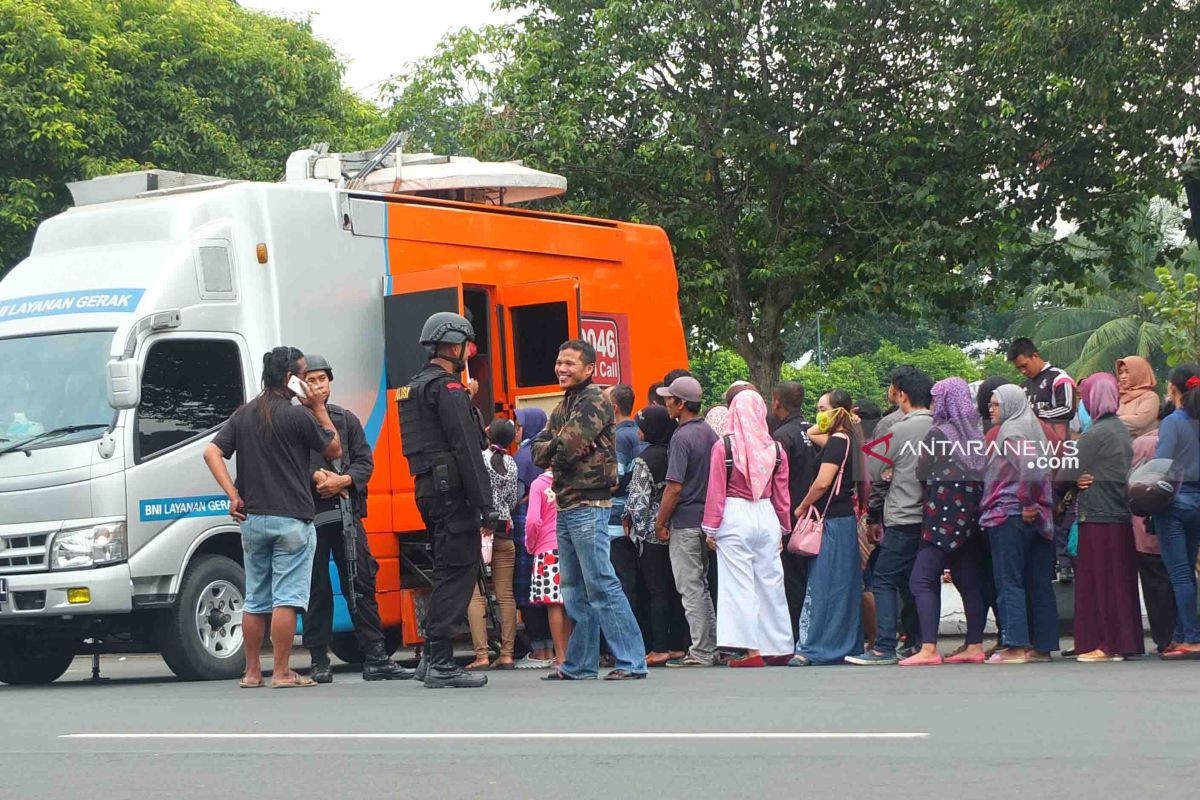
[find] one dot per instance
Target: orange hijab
(1141, 377)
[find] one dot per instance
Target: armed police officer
(340, 495)
(443, 446)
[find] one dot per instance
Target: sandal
(625, 675)
(301, 682)
(1179, 654)
(502, 665)
(963, 657)
(558, 675)
(247, 684)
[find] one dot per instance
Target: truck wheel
(26, 660)
(346, 647)
(201, 637)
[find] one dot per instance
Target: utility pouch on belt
(446, 480)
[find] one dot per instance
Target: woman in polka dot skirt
(541, 540)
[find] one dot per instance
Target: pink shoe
(919, 660)
(966, 658)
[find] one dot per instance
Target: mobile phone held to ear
(299, 387)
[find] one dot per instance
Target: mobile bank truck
(137, 325)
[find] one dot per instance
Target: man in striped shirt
(1053, 398)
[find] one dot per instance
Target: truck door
(410, 298)
(535, 318)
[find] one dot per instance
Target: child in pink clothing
(541, 540)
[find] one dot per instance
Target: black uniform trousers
(456, 564)
(795, 585)
(1159, 596)
(318, 620)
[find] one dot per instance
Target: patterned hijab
(753, 448)
(1101, 394)
(955, 417)
(718, 419)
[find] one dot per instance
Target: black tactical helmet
(317, 363)
(446, 327)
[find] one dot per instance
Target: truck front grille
(23, 552)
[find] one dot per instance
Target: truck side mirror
(124, 385)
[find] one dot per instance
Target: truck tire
(346, 647)
(28, 661)
(200, 638)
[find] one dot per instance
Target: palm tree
(1085, 330)
(1091, 336)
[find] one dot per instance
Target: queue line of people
(600, 529)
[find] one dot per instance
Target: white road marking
(501, 736)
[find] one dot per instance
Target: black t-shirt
(273, 474)
(842, 504)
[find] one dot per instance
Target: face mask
(825, 419)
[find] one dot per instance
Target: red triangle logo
(875, 450)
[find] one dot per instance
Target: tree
(843, 157)
(1176, 306)
(1089, 325)
(91, 87)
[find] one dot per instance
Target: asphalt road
(1061, 730)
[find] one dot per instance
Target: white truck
(130, 333)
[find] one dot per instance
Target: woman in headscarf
(530, 422)
(951, 472)
(1108, 612)
(1139, 404)
(668, 627)
(747, 513)
(718, 419)
(983, 396)
(831, 620)
(1017, 511)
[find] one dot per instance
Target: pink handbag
(806, 536)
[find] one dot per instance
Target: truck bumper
(44, 594)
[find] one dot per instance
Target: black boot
(378, 667)
(322, 671)
(423, 664)
(445, 673)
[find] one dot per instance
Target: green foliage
(997, 365)
(1086, 327)
(91, 87)
(1176, 306)
(842, 157)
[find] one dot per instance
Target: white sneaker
(529, 662)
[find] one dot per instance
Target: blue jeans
(1178, 530)
(889, 582)
(593, 596)
(278, 554)
(1023, 564)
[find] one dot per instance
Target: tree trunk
(764, 371)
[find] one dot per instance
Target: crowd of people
(743, 534)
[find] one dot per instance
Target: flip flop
(964, 658)
(499, 666)
(301, 682)
(245, 684)
(1181, 655)
(557, 675)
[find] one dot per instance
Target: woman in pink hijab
(1108, 612)
(747, 514)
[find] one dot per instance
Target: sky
(375, 38)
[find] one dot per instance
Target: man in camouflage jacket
(578, 446)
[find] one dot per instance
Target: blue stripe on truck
(161, 508)
(89, 301)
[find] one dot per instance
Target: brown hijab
(1141, 377)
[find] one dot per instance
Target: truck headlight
(89, 547)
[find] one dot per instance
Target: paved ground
(1063, 730)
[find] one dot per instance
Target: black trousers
(1159, 596)
(795, 584)
(624, 556)
(668, 627)
(456, 563)
(318, 620)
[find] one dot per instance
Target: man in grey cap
(680, 514)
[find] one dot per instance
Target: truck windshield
(52, 382)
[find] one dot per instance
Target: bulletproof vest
(420, 426)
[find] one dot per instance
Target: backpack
(729, 458)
